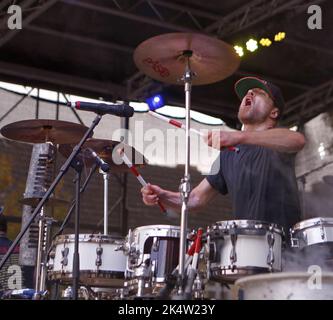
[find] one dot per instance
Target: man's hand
(221, 139)
(150, 194)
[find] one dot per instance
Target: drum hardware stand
(43, 241)
(185, 186)
(51, 189)
(106, 177)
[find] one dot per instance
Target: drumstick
(178, 124)
(138, 175)
(197, 248)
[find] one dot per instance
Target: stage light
(239, 50)
(279, 36)
(155, 102)
(251, 45)
(265, 42)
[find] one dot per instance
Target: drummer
(261, 177)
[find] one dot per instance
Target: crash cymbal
(163, 58)
(53, 202)
(40, 131)
(107, 150)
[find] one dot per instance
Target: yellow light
(239, 50)
(279, 36)
(252, 45)
(265, 42)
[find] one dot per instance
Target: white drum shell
(137, 241)
(312, 231)
(286, 286)
(252, 251)
(251, 247)
(113, 263)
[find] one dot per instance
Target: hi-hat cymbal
(163, 58)
(44, 130)
(50, 202)
(107, 150)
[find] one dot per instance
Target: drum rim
(278, 276)
(157, 226)
(88, 237)
(87, 274)
(244, 224)
(313, 222)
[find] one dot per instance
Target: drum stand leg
(77, 165)
(185, 186)
(44, 226)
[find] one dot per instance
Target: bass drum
(102, 264)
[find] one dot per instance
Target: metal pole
(76, 256)
(39, 249)
(185, 186)
(106, 177)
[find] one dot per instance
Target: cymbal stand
(44, 226)
(185, 186)
(106, 177)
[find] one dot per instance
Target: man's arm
(199, 196)
(279, 139)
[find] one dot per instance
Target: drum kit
(156, 261)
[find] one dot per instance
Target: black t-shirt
(261, 182)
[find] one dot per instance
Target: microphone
(102, 164)
(120, 110)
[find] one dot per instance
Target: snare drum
(153, 251)
(101, 263)
(237, 248)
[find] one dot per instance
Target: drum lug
(233, 254)
(294, 242)
(64, 253)
(271, 241)
(156, 244)
(322, 233)
(99, 252)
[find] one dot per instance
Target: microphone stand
(49, 192)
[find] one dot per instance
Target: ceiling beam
(308, 46)
(128, 15)
(61, 80)
(252, 13)
(309, 104)
(82, 39)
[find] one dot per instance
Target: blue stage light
(155, 102)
